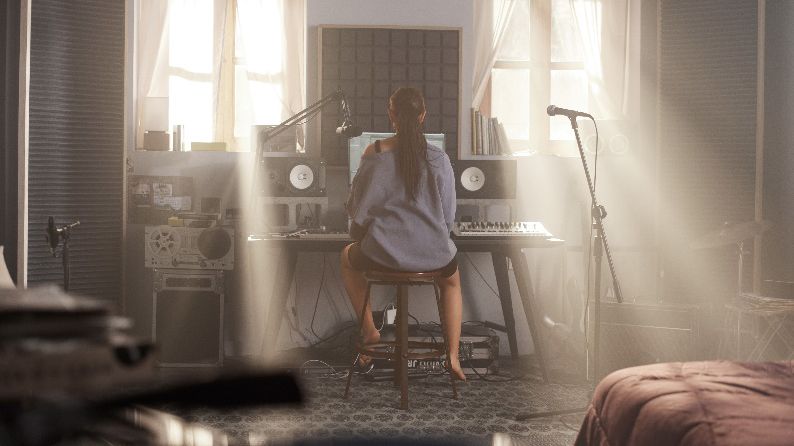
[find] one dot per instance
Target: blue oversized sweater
(401, 233)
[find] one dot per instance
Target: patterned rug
(483, 408)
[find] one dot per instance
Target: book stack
(488, 135)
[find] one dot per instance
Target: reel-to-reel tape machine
(189, 248)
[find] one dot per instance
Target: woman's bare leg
(356, 286)
(453, 314)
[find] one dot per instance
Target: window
(225, 68)
(544, 58)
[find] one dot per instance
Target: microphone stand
(64, 233)
(65, 258)
(600, 246)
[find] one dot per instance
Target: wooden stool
(401, 350)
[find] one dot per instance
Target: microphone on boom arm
(347, 129)
(55, 234)
(553, 110)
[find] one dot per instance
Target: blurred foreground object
(54, 342)
(70, 372)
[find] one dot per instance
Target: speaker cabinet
(491, 179)
(187, 324)
(292, 176)
(637, 334)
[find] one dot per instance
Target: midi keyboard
(500, 229)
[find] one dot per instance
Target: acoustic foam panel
(369, 64)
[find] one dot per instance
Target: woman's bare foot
(373, 337)
(370, 338)
(453, 366)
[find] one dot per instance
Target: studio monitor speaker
(492, 179)
(638, 334)
(292, 176)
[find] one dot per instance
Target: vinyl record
(472, 179)
(301, 176)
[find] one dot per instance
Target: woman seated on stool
(402, 206)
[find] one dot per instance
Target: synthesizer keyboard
(500, 229)
(323, 235)
(313, 234)
(301, 234)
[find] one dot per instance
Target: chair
(401, 350)
(762, 323)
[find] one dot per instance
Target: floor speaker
(492, 179)
(187, 323)
(637, 334)
(292, 176)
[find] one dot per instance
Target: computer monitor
(357, 145)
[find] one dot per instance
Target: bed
(710, 403)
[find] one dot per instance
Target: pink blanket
(711, 403)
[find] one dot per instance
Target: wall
(778, 253)
(76, 142)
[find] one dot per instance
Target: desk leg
(278, 299)
(503, 285)
(521, 270)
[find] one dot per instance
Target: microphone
(349, 130)
(53, 235)
(553, 110)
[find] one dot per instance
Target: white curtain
(604, 29)
(151, 58)
(269, 63)
(490, 22)
(294, 60)
(224, 65)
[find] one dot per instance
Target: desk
(500, 248)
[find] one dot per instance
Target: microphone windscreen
(52, 234)
(353, 131)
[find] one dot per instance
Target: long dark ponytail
(408, 107)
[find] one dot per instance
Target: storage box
(155, 140)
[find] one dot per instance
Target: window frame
(540, 67)
(225, 62)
